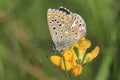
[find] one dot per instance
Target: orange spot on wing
(76, 22)
(62, 17)
(79, 25)
(67, 19)
(73, 18)
(81, 31)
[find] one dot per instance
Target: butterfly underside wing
(65, 27)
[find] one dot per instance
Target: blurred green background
(25, 42)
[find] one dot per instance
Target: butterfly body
(65, 27)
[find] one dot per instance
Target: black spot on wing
(64, 10)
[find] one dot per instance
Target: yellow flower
(70, 61)
(67, 58)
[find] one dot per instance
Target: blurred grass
(23, 27)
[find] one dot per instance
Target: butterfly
(65, 27)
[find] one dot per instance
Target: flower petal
(65, 64)
(58, 61)
(84, 43)
(67, 54)
(55, 60)
(77, 70)
(93, 54)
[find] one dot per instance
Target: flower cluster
(75, 56)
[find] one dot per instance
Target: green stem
(66, 73)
